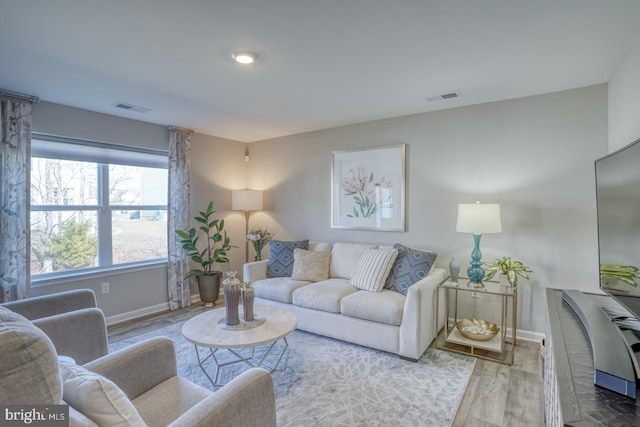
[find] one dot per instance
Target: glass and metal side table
(494, 305)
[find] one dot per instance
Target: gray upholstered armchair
(71, 320)
(146, 372)
(134, 386)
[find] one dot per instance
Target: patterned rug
(325, 382)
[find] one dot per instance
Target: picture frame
(368, 188)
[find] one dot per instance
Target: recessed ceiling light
(244, 57)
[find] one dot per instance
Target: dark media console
(612, 365)
(573, 362)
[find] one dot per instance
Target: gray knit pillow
(310, 266)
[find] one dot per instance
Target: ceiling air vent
(450, 95)
(130, 107)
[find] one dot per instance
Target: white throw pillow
(97, 397)
(310, 266)
(373, 268)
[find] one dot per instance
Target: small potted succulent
(215, 251)
(509, 268)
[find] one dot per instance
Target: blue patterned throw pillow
(410, 266)
(280, 262)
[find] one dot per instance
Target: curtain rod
(19, 96)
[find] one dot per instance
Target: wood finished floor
(502, 395)
(497, 394)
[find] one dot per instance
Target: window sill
(68, 277)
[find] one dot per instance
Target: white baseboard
(130, 315)
(530, 336)
(196, 297)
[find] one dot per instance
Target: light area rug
(325, 382)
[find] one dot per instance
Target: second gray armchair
(143, 376)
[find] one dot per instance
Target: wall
(532, 155)
(624, 101)
(134, 292)
(60, 120)
(217, 167)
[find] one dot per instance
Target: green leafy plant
(624, 273)
(217, 246)
(504, 265)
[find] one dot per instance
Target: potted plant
(215, 251)
(510, 269)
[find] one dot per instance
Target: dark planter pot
(209, 287)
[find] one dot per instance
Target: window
(95, 206)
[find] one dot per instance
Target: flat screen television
(618, 200)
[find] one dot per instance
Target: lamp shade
(246, 200)
(479, 218)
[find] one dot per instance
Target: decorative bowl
(479, 330)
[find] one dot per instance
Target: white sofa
(387, 320)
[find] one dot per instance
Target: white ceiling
(323, 63)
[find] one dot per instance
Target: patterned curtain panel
(178, 215)
(15, 165)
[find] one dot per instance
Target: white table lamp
(478, 219)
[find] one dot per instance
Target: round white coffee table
(203, 330)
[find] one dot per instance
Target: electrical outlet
(105, 287)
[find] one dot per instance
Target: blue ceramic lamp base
(475, 272)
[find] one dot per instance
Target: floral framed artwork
(367, 188)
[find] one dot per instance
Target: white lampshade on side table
(478, 219)
(247, 201)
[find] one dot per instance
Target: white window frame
(103, 154)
